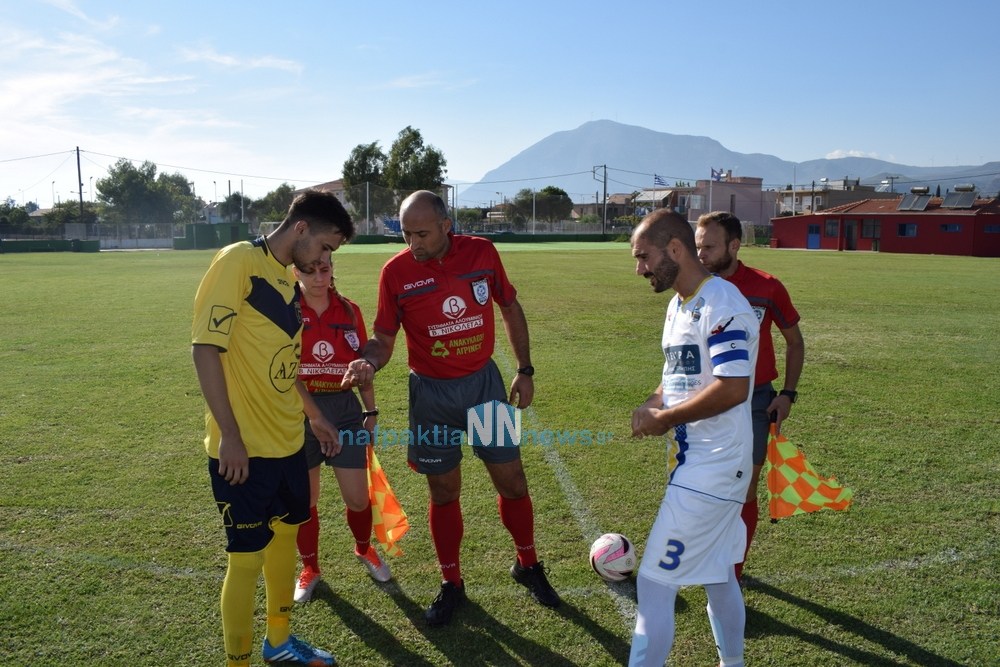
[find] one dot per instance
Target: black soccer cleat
(448, 599)
(533, 578)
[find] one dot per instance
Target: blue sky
(269, 92)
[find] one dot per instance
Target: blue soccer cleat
(294, 650)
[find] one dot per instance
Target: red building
(957, 224)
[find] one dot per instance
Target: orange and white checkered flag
(388, 518)
(794, 487)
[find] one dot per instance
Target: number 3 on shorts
(673, 556)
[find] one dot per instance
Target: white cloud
(839, 153)
(64, 90)
(165, 121)
(52, 73)
(70, 7)
(208, 55)
(48, 78)
(430, 80)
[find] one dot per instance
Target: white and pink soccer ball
(612, 557)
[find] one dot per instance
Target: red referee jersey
(329, 342)
(771, 303)
(445, 306)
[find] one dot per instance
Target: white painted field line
(622, 593)
(949, 556)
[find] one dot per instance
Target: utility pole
(79, 178)
(194, 196)
(532, 210)
(793, 190)
(604, 220)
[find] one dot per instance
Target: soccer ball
(612, 557)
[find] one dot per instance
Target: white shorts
(696, 539)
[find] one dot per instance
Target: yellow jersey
(247, 306)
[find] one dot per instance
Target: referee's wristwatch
(790, 393)
(526, 370)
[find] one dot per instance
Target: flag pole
(711, 180)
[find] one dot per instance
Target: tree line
(374, 181)
(138, 195)
(412, 165)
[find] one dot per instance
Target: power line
(642, 173)
(46, 177)
(33, 157)
(96, 164)
(518, 180)
(778, 186)
(628, 185)
(210, 171)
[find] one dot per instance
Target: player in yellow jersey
(246, 342)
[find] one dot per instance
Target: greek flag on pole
(658, 180)
(716, 175)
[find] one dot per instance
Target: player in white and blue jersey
(702, 405)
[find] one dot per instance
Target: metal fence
(111, 236)
(160, 235)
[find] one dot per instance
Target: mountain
(633, 154)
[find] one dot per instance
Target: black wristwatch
(370, 413)
(792, 395)
(527, 370)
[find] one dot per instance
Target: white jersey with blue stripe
(711, 334)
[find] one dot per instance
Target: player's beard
(722, 264)
(302, 262)
(663, 276)
(305, 269)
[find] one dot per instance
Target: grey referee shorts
(438, 412)
(343, 410)
(761, 398)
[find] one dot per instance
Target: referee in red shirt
(718, 239)
(441, 291)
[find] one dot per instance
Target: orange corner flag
(794, 487)
(388, 518)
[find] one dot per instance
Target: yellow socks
(280, 561)
(238, 593)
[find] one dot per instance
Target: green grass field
(111, 550)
